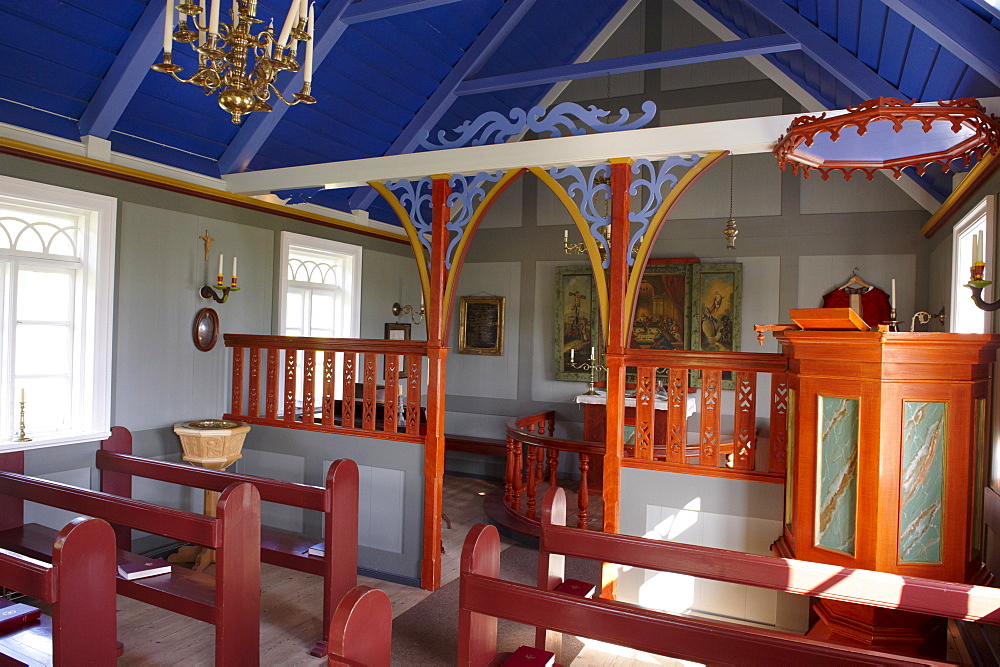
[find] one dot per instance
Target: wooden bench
(360, 629)
(338, 501)
(484, 598)
(79, 586)
(230, 600)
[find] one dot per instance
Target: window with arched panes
(56, 278)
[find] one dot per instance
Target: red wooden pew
(338, 501)
(230, 600)
(360, 630)
(484, 598)
(79, 586)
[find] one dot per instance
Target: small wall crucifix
(208, 243)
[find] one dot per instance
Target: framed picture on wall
(396, 331)
(716, 304)
(662, 307)
(480, 325)
(577, 319)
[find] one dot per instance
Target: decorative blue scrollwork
(651, 193)
(564, 119)
(466, 191)
(586, 189)
(293, 197)
(415, 197)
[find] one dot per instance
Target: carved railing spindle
(413, 367)
(583, 493)
(329, 370)
(253, 384)
(308, 386)
(369, 392)
(508, 475)
(347, 397)
(517, 477)
(677, 415)
(779, 422)
(390, 414)
(645, 403)
(745, 421)
(553, 457)
(236, 393)
(711, 414)
(271, 391)
(291, 366)
(532, 480)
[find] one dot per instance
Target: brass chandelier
(225, 52)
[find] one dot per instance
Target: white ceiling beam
(745, 135)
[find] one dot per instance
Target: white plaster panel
(680, 29)
(838, 195)
(388, 279)
(380, 508)
(475, 424)
(627, 40)
(508, 209)
(819, 274)
(727, 111)
(51, 516)
(487, 376)
(550, 210)
(756, 191)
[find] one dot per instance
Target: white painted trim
(354, 251)
(92, 374)
(987, 208)
(741, 136)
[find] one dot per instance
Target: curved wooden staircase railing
(533, 464)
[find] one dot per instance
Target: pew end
(360, 631)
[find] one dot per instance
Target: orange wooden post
(617, 325)
(437, 354)
(236, 402)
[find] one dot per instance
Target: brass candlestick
(21, 437)
(592, 366)
(893, 322)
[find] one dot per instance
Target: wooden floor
(291, 609)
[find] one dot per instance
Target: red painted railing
(716, 448)
(533, 464)
(333, 385)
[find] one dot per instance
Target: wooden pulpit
(886, 462)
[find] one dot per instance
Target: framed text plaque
(480, 326)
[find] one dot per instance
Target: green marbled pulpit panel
(921, 481)
(837, 488)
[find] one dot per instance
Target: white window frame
(91, 389)
(981, 217)
(324, 245)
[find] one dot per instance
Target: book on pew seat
(134, 566)
(576, 587)
(529, 655)
(318, 549)
(12, 615)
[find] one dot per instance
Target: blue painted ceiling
(390, 68)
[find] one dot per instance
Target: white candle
(975, 249)
(213, 23)
(198, 23)
(591, 353)
(572, 355)
(307, 66)
(235, 14)
(893, 300)
(981, 246)
(168, 27)
(286, 29)
(22, 394)
(421, 300)
(303, 8)
(220, 264)
(234, 266)
(270, 43)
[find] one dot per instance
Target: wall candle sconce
(208, 291)
(416, 316)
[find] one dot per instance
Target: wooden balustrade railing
(713, 448)
(294, 382)
(533, 456)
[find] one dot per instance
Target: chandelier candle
(238, 66)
